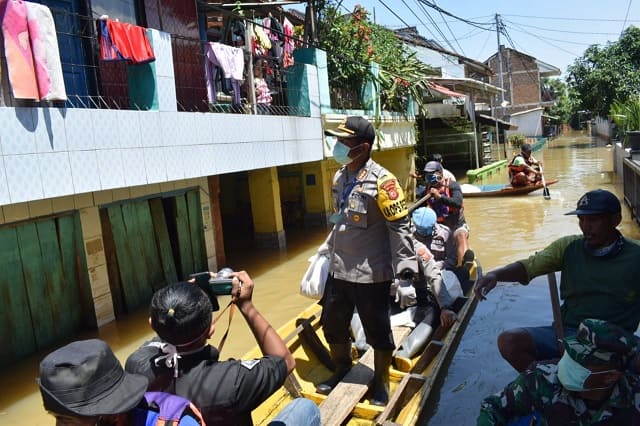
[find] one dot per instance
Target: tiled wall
(51, 152)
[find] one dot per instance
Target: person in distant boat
(439, 283)
(180, 361)
(370, 245)
(445, 198)
(589, 385)
(600, 271)
(522, 168)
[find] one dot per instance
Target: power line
(572, 19)
(454, 37)
(625, 18)
(546, 39)
(561, 31)
(482, 25)
(435, 25)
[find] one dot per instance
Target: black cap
(525, 147)
(433, 166)
(597, 201)
(353, 128)
(85, 378)
(437, 157)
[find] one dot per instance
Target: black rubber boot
(381, 363)
(341, 356)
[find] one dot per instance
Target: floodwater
(502, 230)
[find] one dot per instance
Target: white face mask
(573, 376)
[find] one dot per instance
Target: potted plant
(626, 115)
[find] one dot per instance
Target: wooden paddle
(555, 305)
(545, 189)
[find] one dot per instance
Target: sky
(553, 31)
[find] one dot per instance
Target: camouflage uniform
(539, 390)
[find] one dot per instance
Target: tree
(353, 42)
(559, 92)
(605, 74)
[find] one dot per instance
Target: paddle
(555, 305)
(545, 189)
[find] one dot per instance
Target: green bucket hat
(600, 342)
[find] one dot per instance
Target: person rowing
(524, 169)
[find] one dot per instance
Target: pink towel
(46, 55)
(17, 47)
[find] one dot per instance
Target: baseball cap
(353, 128)
(433, 166)
(597, 201)
(525, 147)
(424, 219)
(599, 342)
(85, 378)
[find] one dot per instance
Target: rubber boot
(381, 363)
(341, 356)
(412, 345)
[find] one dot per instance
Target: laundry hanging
(31, 50)
(120, 41)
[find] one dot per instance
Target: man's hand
(484, 285)
(434, 192)
(242, 290)
(447, 318)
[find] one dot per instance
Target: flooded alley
(502, 230)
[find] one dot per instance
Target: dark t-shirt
(225, 391)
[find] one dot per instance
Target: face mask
(341, 153)
(433, 179)
(572, 375)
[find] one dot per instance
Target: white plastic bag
(312, 284)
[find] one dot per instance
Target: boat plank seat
(339, 404)
(429, 353)
(408, 387)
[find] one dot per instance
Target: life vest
(513, 169)
(441, 209)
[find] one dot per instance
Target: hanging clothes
(120, 41)
(46, 54)
(289, 44)
(231, 60)
(18, 53)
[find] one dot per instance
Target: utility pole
(498, 29)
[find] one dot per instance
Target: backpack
(165, 409)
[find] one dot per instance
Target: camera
(221, 285)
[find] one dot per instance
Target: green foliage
(517, 140)
(626, 114)
(353, 42)
(605, 74)
(563, 106)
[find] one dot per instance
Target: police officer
(370, 244)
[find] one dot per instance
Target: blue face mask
(341, 153)
(573, 376)
(433, 179)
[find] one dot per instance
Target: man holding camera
(180, 361)
(369, 245)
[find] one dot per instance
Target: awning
(491, 121)
(444, 91)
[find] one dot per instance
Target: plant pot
(633, 140)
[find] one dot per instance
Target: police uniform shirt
(371, 240)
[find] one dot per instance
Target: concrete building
(139, 179)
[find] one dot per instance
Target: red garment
(120, 41)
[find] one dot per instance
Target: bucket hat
(85, 378)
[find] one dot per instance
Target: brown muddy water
(502, 230)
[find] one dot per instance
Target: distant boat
(500, 190)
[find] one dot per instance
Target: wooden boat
(501, 190)
(411, 383)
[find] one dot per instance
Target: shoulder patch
(249, 364)
(391, 200)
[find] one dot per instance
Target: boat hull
(503, 190)
(349, 402)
